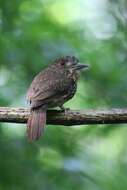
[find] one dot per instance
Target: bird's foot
(64, 109)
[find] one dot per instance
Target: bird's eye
(62, 62)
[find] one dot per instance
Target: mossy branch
(69, 117)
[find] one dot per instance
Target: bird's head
(71, 64)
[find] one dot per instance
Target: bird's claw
(64, 109)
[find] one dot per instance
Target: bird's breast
(64, 96)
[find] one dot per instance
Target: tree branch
(68, 118)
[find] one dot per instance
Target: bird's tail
(35, 124)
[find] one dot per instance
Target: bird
(52, 87)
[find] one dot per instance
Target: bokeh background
(32, 34)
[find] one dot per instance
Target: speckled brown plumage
(50, 88)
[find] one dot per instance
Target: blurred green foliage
(32, 34)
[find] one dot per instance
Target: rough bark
(69, 117)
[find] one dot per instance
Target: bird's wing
(44, 87)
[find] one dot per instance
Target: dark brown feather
(35, 124)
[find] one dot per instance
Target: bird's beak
(80, 66)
